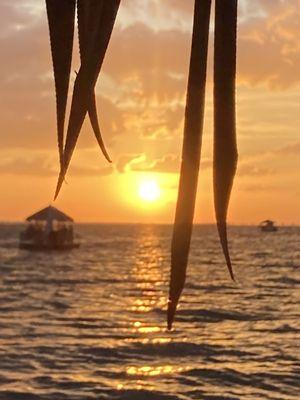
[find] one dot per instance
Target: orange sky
(141, 97)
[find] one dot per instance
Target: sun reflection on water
(147, 304)
(148, 275)
(92, 322)
(138, 327)
(155, 340)
(148, 370)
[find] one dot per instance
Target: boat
(48, 229)
(268, 226)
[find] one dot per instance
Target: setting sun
(149, 191)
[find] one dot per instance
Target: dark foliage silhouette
(96, 19)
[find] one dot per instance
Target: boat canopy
(50, 214)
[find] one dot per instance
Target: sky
(141, 98)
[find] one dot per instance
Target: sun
(149, 191)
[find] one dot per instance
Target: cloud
(291, 149)
(155, 61)
(126, 160)
(168, 164)
(79, 170)
(141, 93)
(258, 187)
(37, 166)
(140, 163)
(269, 47)
(250, 169)
(46, 166)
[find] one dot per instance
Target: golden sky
(141, 98)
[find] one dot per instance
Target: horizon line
(18, 222)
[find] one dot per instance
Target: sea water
(91, 323)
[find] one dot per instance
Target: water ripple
(90, 324)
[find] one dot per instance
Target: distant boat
(48, 229)
(268, 226)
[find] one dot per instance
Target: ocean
(91, 323)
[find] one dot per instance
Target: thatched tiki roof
(50, 214)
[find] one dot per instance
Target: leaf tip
(172, 306)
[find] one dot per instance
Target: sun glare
(149, 191)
